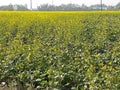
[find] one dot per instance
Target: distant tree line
(62, 7)
(76, 7)
(14, 7)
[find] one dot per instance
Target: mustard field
(60, 50)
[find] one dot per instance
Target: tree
(20, 7)
(111, 8)
(7, 7)
(118, 6)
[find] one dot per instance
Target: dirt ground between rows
(4, 88)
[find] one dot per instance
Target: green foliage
(61, 51)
